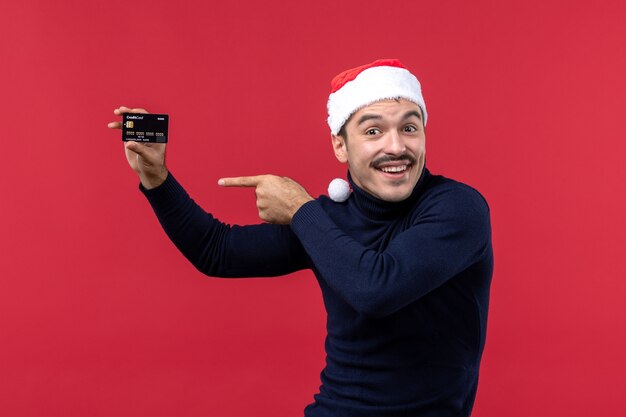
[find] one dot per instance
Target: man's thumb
(135, 147)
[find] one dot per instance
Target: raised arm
(213, 247)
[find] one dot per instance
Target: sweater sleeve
(221, 250)
(449, 235)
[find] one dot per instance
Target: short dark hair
(342, 132)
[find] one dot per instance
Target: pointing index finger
(252, 181)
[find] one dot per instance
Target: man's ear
(339, 146)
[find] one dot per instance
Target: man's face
(385, 147)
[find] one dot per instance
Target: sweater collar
(376, 208)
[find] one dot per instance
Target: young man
(404, 264)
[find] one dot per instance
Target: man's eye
(372, 131)
(410, 128)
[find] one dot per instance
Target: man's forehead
(389, 108)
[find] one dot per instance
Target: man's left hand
(277, 198)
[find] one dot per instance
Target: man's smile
(394, 171)
(399, 168)
(393, 168)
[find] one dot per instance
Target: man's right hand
(146, 159)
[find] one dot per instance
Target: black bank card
(144, 127)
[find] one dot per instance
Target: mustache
(392, 158)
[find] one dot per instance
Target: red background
(101, 316)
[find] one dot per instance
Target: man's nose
(394, 143)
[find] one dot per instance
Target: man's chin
(395, 198)
(393, 195)
(395, 191)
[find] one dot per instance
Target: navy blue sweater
(405, 286)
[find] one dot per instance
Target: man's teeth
(394, 169)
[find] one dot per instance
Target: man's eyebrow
(370, 116)
(412, 113)
(367, 117)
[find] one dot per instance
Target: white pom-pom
(339, 190)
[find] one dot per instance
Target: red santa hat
(358, 87)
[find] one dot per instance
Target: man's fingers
(119, 111)
(136, 147)
(123, 109)
(252, 181)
